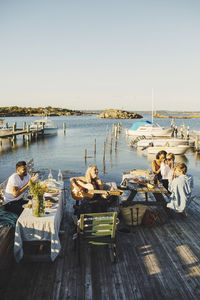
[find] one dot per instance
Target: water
(66, 152)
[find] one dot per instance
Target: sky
(100, 54)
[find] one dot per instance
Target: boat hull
(170, 142)
(150, 132)
(177, 150)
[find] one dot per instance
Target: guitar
(79, 194)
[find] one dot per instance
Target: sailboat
(147, 128)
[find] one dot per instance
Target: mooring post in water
(24, 128)
(104, 150)
(64, 127)
(115, 131)
(85, 155)
(95, 147)
(115, 144)
(43, 129)
(110, 143)
(119, 127)
(196, 143)
(104, 166)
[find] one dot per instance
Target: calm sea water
(66, 152)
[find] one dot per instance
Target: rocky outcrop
(118, 114)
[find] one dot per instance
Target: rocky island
(118, 114)
(13, 111)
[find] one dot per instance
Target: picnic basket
(133, 215)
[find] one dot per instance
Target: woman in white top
(167, 169)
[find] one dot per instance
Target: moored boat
(177, 150)
(49, 127)
(165, 141)
(148, 129)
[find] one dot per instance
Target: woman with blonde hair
(181, 188)
(90, 182)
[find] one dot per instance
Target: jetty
(162, 262)
(10, 134)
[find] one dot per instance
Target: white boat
(148, 129)
(165, 141)
(177, 150)
(50, 128)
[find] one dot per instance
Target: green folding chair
(98, 229)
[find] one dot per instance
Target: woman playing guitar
(83, 187)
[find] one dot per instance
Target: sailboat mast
(152, 105)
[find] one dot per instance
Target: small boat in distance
(50, 128)
(148, 129)
(176, 150)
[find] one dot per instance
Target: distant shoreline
(15, 111)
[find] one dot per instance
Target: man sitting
(180, 188)
(16, 187)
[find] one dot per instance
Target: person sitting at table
(17, 184)
(167, 168)
(90, 182)
(160, 156)
(180, 186)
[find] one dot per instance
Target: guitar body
(79, 194)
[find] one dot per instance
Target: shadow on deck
(153, 263)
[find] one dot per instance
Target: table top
(159, 189)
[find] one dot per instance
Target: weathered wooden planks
(153, 263)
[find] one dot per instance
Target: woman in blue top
(180, 188)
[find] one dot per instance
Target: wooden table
(46, 228)
(135, 188)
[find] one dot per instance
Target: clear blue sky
(82, 54)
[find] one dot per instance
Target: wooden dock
(153, 263)
(15, 133)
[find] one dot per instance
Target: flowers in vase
(37, 189)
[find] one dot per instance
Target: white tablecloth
(29, 228)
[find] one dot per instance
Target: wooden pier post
(24, 128)
(28, 131)
(85, 155)
(119, 127)
(95, 147)
(64, 127)
(104, 150)
(110, 143)
(115, 131)
(115, 144)
(196, 143)
(43, 129)
(13, 130)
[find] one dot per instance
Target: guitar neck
(99, 191)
